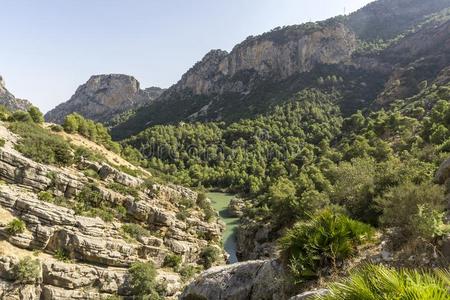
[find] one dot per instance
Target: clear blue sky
(50, 47)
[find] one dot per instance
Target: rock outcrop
(9, 101)
(255, 280)
(100, 251)
(205, 90)
(104, 97)
(268, 69)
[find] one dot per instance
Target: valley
(329, 142)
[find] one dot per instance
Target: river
(220, 203)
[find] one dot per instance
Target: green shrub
(322, 242)
(62, 255)
(416, 210)
(91, 173)
(40, 145)
(135, 231)
(172, 261)
(16, 226)
(20, 116)
(4, 113)
(2, 142)
(75, 123)
(209, 256)
(36, 115)
(202, 200)
(123, 189)
(56, 128)
(182, 215)
(380, 282)
(188, 271)
(83, 153)
(46, 196)
(107, 214)
(210, 214)
(142, 281)
(28, 270)
(89, 197)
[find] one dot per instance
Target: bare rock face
(278, 54)
(259, 279)
(9, 101)
(100, 251)
(103, 97)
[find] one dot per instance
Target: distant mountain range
(373, 56)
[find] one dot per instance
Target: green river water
(220, 203)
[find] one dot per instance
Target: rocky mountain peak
(104, 96)
(9, 101)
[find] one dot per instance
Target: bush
(62, 255)
(20, 116)
(380, 282)
(209, 255)
(16, 226)
(324, 241)
(28, 270)
(135, 231)
(89, 197)
(202, 200)
(172, 261)
(123, 189)
(188, 271)
(36, 115)
(56, 128)
(42, 146)
(46, 196)
(416, 210)
(75, 123)
(91, 173)
(142, 281)
(4, 113)
(2, 142)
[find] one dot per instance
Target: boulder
(236, 207)
(443, 173)
(107, 172)
(250, 280)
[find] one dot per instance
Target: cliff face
(7, 99)
(265, 70)
(215, 87)
(278, 54)
(104, 96)
(81, 256)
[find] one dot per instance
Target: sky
(50, 47)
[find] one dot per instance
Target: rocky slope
(265, 70)
(96, 253)
(104, 97)
(9, 101)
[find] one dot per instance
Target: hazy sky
(49, 47)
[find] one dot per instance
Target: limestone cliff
(103, 97)
(223, 83)
(9, 101)
(82, 256)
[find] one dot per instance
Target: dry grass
(112, 158)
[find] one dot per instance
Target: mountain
(9, 101)
(104, 97)
(265, 70)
